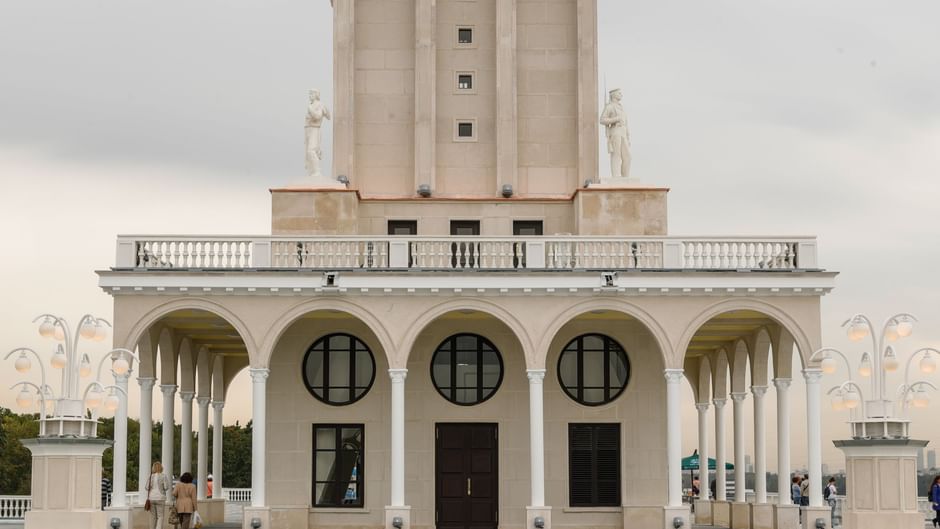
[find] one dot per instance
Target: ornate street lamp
(877, 417)
(880, 433)
(63, 415)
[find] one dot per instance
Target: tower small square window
(465, 81)
(465, 130)
(465, 35)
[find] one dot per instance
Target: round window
(593, 369)
(339, 369)
(466, 369)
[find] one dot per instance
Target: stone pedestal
(314, 211)
(809, 515)
(212, 511)
(671, 513)
(262, 514)
(762, 516)
(721, 513)
(881, 483)
(531, 513)
(398, 512)
(740, 516)
(66, 483)
(786, 516)
(703, 512)
(603, 210)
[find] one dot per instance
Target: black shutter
(594, 465)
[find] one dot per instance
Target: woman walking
(185, 493)
(158, 488)
(935, 500)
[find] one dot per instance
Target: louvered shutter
(594, 465)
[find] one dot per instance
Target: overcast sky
(774, 118)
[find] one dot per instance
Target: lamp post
(67, 449)
(880, 455)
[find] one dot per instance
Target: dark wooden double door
(467, 477)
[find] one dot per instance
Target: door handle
(468, 487)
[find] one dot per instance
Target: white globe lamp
(23, 364)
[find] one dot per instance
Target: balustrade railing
(237, 495)
(14, 507)
(466, 253)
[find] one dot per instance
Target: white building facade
(475, 332)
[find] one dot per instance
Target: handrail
(556, 252)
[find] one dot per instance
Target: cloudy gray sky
(800, 117)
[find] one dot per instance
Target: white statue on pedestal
(614, 118)
(316, 113)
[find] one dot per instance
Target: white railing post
(535, 254)
(672, 254)
(398, 254)
(261, 253)
(806, 255)
(126, 253)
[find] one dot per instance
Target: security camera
(329, 279)
(115, 523)
(398, 522)
(539, 522)
(608, 279)
(424, 190)
(343, 179)
(507, 190)
(820, 523)
(255, 523)
(678, 522)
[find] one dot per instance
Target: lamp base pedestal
(66, 483)
(881, 483)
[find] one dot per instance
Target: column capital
(759, 391)
(719, 403)
(738, 397)
(187, 396)
(146, 383)
(218, 404)
(812, 375)
(673, 376)
(168, 389)
(203, 402)
(536, 376)
(702, 407)
(259, 374)
(782, 383)
(398, 375)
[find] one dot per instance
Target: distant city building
(920, 460)
(931, 459)
(825, 469)
(748, 464)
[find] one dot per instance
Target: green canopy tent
(692, 463)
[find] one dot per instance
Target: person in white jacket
(158, 488)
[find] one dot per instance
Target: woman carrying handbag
(185, 493)
(158, 487)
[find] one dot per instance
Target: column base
(881, 520)
(531, 513)
(212, 511)
(703, 512)
(809, 515)
(740, 515)
(125, 514)
(403, 512)
(786, 516)
(762, 516)
(261, 514)
(670, 514)
(721, 513)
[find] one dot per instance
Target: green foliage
(16, 461)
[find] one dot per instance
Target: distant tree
(15, 459)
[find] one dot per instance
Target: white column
(119, 476)
(783, 441)
(186, 431)
(217, 429)
(702, 408)
(398, 436)
(674, 436)
(536, 436)
(202, 453)
(166, 457)
(720, 458)
(739, 475)
(146, 434)
(813, 439)
(760, 445)
(259, 381)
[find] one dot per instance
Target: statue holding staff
(316, 113)
(614, 119)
